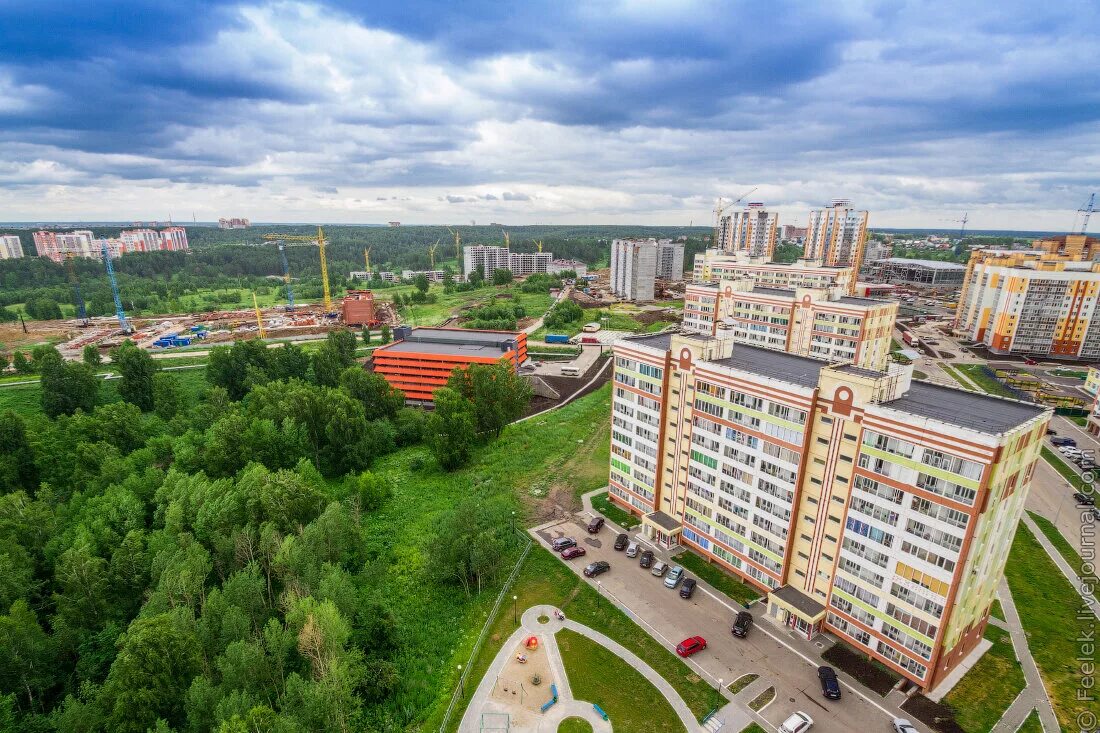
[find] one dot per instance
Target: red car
(571, 552)
(687, 647)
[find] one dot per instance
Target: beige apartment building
(864, 503)
(713, 264)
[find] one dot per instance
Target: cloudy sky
(533, 111)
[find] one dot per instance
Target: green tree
(498, 395)
(17, 467)
(502, 277)
(137, 369)
(92, 356)
(234, 368)
(386, 337)
(372, 490)
(4, 361)
(66, 387)
(379, 399)
(168, 397)
(366, 336)
(21, 363)
(289, 362)
(29, 666)
(421, 283)
(43, 309)
(470, 544)
(344, 342)
(451, 429)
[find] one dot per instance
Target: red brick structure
(358, 308)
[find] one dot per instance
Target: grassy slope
(741, 592)
(575, 725)
(1065, 549)
(983, 380)
(1032, 724)
(985, 692)
(1061, 467)
(599, 676)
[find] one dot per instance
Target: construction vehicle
(320, 240)
(123, 322)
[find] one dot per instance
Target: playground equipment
(532, 643)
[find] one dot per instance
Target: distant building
(559, 266)
(394, 223)
(140, 240)
(11, 247)
(791, 233)
(1092, 381)
(633, 268)
(713, 265)
(486, 258)
(83, 243)
(930, 273)
(174, 239)
(234, 223)
(837, 234)
(523, 264)
(670, 260)
(752, 230)
(358, 308)
(420, 360)
(434, 276)
(56, 245)
(876, 250)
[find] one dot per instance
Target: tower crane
(1087, 210)
(286, 277)
(320, 240)
(720, 208)
(259, 317)
(366, 259)
(458, 244)
(123, 323)
(507, 238)
(539, 245)
(81, 311)
(431, 252)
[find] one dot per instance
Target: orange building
(358, 307)
(421, 359)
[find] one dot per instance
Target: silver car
(659, 568)
(632, 549)
(674, 576)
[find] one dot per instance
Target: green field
(1065, 549)
(26, 400)
(987, 383)
(984, 693)
(574, 725)
(623, 518)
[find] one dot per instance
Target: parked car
(621, 541)
(901, 725)
(563, 543)
(1058, 442)
(687, 588)
(1084, 499)
(1096, 514)
(674, 576)
(1051, 431)
(632, 549)
(797, 723)
(571, 552)
(741, 624)
(830, 686)
(646, 559)
(595, 525)
(600, 566)
(691, 645)
(659, 568)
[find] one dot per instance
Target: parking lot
(789, 662)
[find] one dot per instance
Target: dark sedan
(600, 566)
(830, 687)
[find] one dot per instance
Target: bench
(599, 711)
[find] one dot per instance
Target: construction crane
(1087, 210)
(431, 252)
(81, 311)
(259, 317)
(539, 245)
(320, 240)
(286, 278)
(123, 323)
(720, 208)
(507, 238)
(366, 259)
(458, 244)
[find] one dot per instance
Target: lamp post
(513, 522)
(461, 682)
(718, 693)
(599, 592)
(515, 611)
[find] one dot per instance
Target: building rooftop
(799, 600)
(782, 292)
(661, 341)
(856, 300)
(859, 371)
(984, 413)
(665, 521)
(930, 264)
(779, 365)
(457, 341)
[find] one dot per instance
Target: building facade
(420, 360)
(523, 264)
(712, 265)
(877, 249)
(576, 266)
(11, 247)
(57, 245)
(927, 273)
(670, 260)
(83, 243)
(234, 223)
(486, 258)
(633, 268)
(174, 239)
(864, 503)
(837, 235)
(753, 230)
(791, 233)
(1031, 303)
(812, 322)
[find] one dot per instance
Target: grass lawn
(624, 519)
(433, 314)
(546, 580)
(981, 697)
(1065, 549)
(27, 399)
(1079, 420)
(987, 383)
(950, 371)
(599, 676)
(733, 587)
(1061, 467)
(1032, 724)
(760, 701)
(575, 725)
(753, 728)
(742, 682)
(1048, 607)
(996, 611)
(1069, 373)
(22, 400)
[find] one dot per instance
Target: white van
(570, 371)
(591, 327)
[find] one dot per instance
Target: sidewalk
(1035, 694)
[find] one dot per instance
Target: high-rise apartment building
(1033, 302)
(486, 258)
(83, 243)
(140, 240)
(818, 322)
(10, 247)
(670, 260)
(837, 235)
(864, 503)
(56, 245)
(173, 239)
(791, 233)
(713, 265)
(752, 230)
(523, 264)
(633, 268)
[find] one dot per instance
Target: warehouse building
(929, 273)
(420, 360)
(866, 504)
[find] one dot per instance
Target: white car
(901, 725)
(797, 723)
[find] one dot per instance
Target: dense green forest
(251, 560)
(223, 264)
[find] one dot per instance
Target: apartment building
(174, 239)
(576, 266)
(11, 247)
(140, 240)
(56, 245)
(865, 504)
(752, 230)
(837, 235)
(670, 260)
(791, 233)
(1031, 302)
(523, 264)
(633, 268)
(712, 265)
(819, 322)
(434, 276)
(486, 258)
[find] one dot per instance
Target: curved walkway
(567, 706)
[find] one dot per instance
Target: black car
(687, 588)
(595, 525)
(646, 559)
(830, 687)
(742, 624)
(621, 541)
(1051, 431)
(600, 566)
(1084, 499)
(563, 543)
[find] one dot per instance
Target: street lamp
(513, 522)
(599, 592)
(718, 693)
(515, 611)
(461, 682)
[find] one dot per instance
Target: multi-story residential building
(523, 264)
(486, 258)
(140, 240)
(1031, 302)
(173, 239)
(10, 247)
(670, 260)
(434, 276)
(928, 273)
(866, 504)
(1073, 246)
(808, 321)
(633, 268)
(234, 223)
(837, 235)
(791, 233)
(576, 266)
(57, 245)
(752, 230)
(877, 249)
(712, 265)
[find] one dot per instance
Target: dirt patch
(874, 676)
(648, 317)
(936, 715)
(515, 685)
